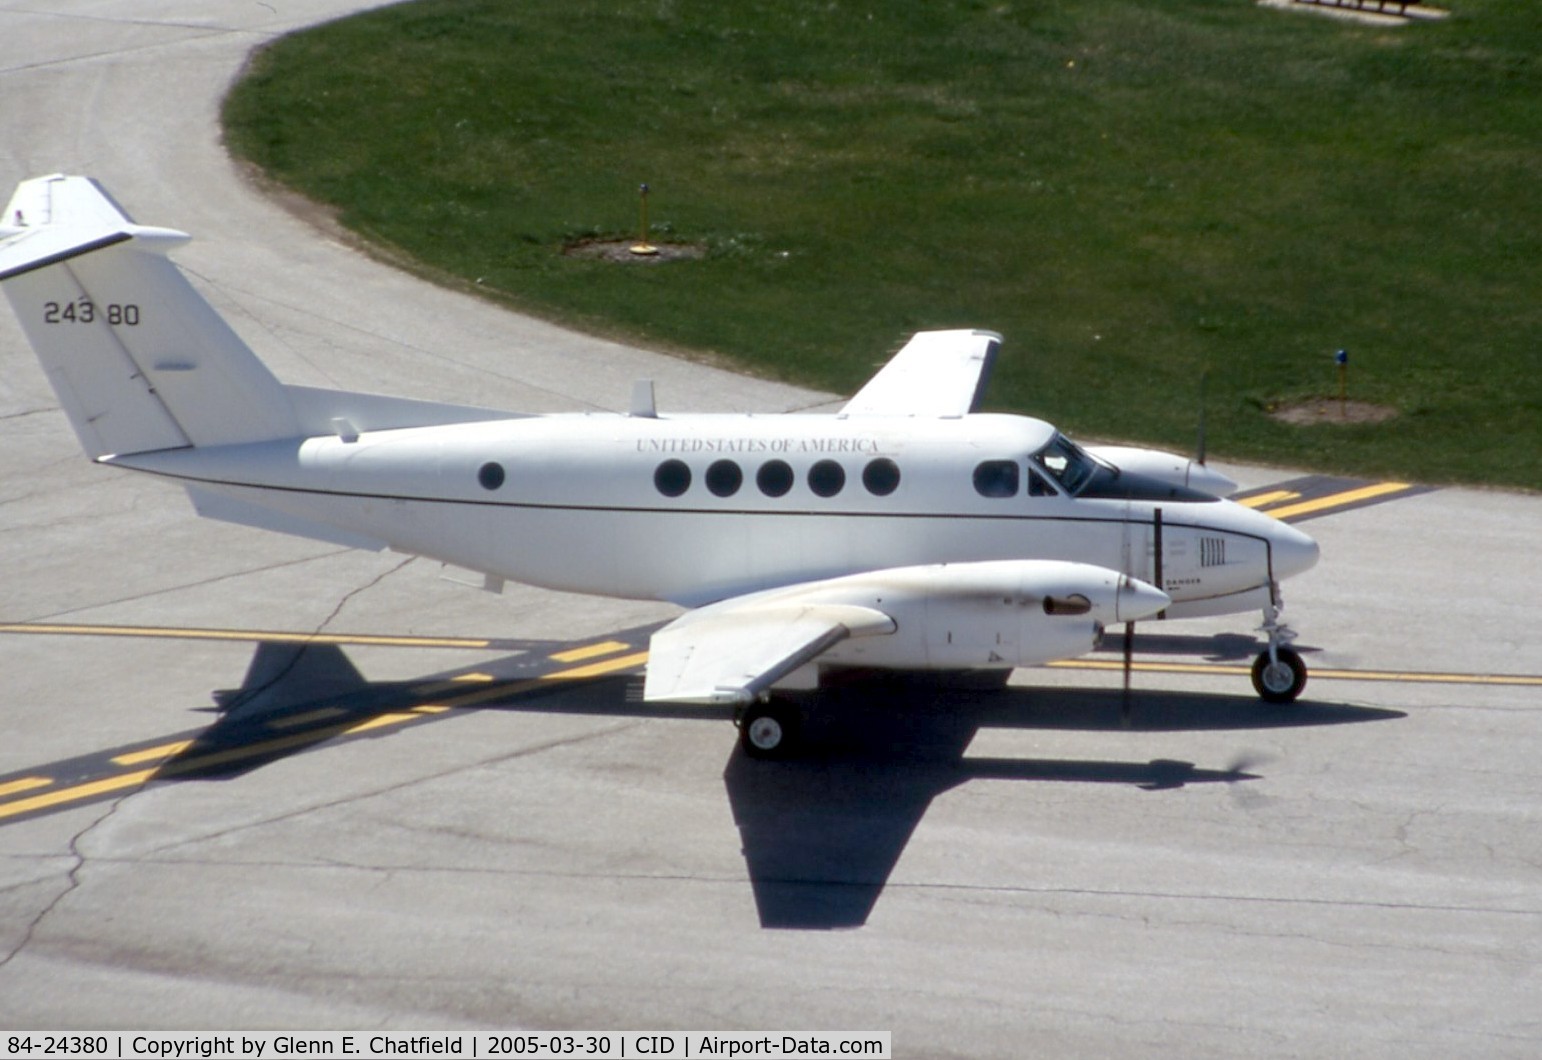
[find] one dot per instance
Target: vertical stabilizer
(139, 360)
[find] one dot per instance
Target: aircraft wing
(733, 651)
(935, 374)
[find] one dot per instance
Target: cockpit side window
(1067, 463)
(1038, 485)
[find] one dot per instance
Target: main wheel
(768, 730)
(1281, 681)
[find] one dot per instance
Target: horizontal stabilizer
(25, 251)
(55, 219)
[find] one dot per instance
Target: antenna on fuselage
(1199, 447)
(642, 400)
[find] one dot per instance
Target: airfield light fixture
(642, 247)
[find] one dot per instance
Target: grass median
(1136, 194)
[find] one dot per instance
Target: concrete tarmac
(984, 874)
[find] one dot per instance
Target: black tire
(768, 730)
(1282, 682)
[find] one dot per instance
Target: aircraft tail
(139, 360)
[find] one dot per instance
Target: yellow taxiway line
(162, 753)
(1258, 500)
(1406, 677)
(590, 651)
(1339, 500)
(248, 635)
(16, 787)
(78, 791)
(151, 754)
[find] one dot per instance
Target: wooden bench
(1381, 6)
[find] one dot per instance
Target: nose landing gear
(1279, 674)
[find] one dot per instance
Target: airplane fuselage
(698, 508)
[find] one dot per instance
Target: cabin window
(996, 478)
(490, 475)
(774, 478)
(826, 478)
(881, 476)
(672, 478)
(724, 478)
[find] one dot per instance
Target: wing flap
(731, 654)
(936, 374)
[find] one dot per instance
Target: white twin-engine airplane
(906, 531)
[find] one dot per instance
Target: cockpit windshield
(1088, 477)
(1070, 465)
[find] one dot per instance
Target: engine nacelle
(998, 614)
(1166, 467)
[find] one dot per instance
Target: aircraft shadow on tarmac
(820, 833)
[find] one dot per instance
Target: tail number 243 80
(85, 311)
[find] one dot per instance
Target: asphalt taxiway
(451, 812)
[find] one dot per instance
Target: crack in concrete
(247, 694)
(72, 875)
(71, 879)
(28, 412)
(295, 814)
(95, 604)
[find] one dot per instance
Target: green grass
(1132, 191)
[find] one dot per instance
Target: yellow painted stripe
(251, 750)
(79, 791)
(1150, 667)
(1409, 677)
(300, 739)
(590, 651)
(1276, 497)
(149, 754)
(625, 662)
(294, 721)
(434, 688)
(271, 636)
(380, 721)
(485, 694)
(16, 787)
(1338, 500)
(1514, 680)
(395, 717)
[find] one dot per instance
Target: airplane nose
(1291, 551)
(1136, 600)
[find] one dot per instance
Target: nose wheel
(1279, 679)
(1279, 674)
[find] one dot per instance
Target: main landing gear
(768, 729)
(1279, 674)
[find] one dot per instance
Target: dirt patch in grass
(1331, 410)
(621, 252)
